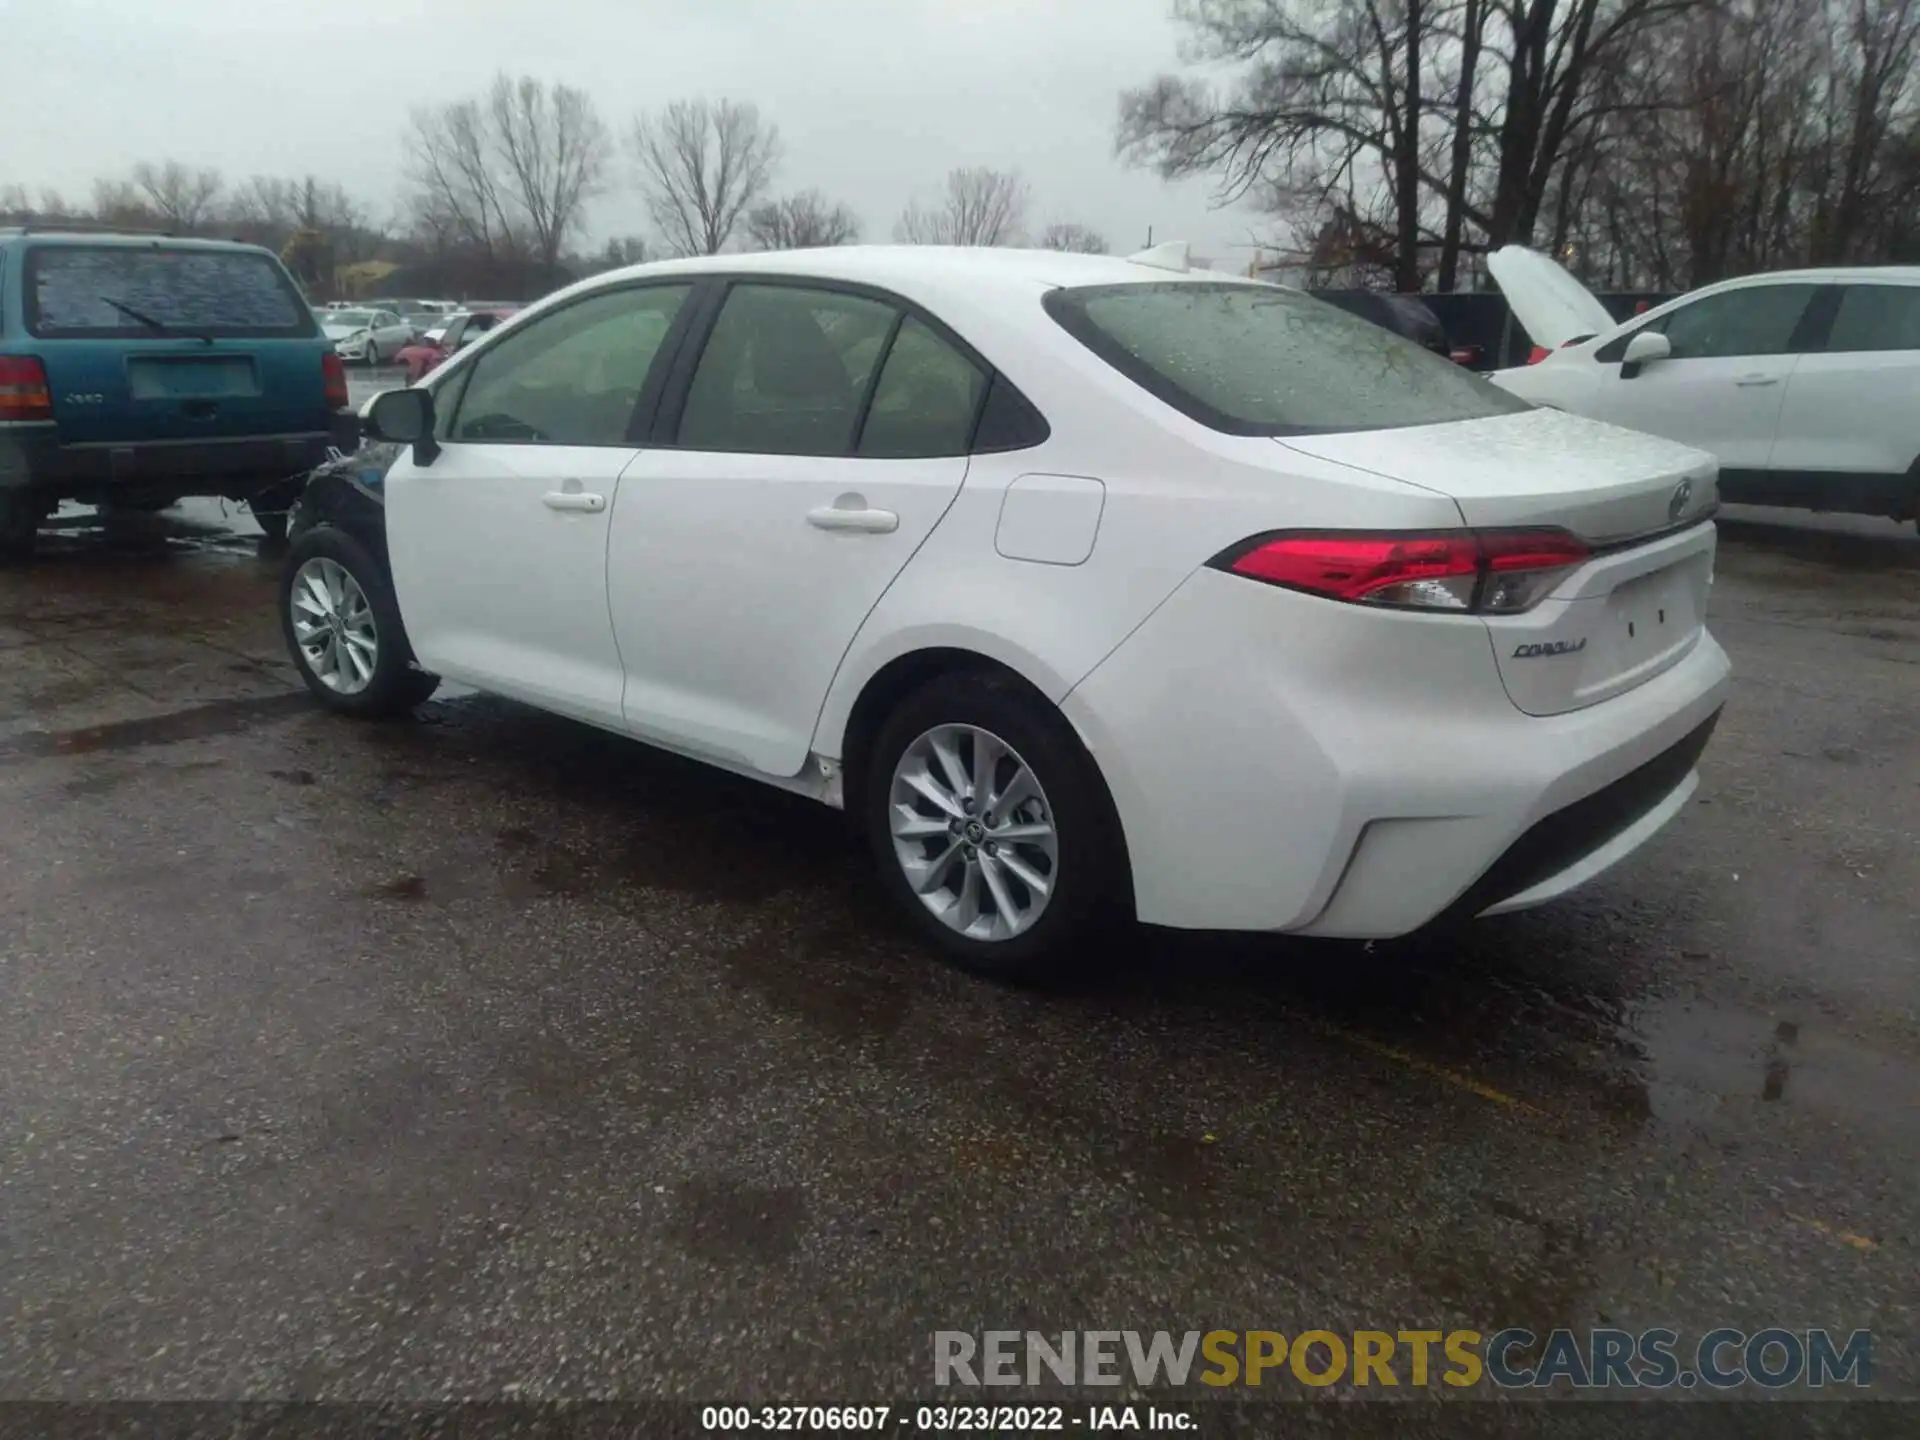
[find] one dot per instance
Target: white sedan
(1096, 588)
(1804, 384)
(369, 336)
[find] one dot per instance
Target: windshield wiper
(159, 326)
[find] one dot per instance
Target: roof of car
(130, 239)
(1829, 275)
(903, 264)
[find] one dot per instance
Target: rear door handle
(574, 500)
(866, 522)
(1747, 381)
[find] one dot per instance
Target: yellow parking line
(1439, 1072)
(1845, 1237)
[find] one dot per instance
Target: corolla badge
(1682, 497)
(1549, 647)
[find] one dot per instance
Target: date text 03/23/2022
(929, 1419)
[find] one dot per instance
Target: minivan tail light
(333, 377)
(23, 389)
(1485, 572)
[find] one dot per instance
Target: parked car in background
(369, 336)
(135, 370)
(1805, 383)
(954, 538)
(425, 354)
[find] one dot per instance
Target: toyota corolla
(1095, 588)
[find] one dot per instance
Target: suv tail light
(1480, 572)
(333, 377)
(23, 389)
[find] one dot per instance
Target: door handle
(574, 500)
(866, 522)
(1749, 381)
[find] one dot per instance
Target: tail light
(1480, 572)
(333, 378)
(23, 389)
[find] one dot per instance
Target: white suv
(1805, 383)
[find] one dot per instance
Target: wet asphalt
(484, 1054)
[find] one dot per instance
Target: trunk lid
(1637, 606)
(126, 392)
(1552, 306)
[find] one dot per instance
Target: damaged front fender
(346, 491)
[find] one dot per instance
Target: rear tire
(20, 516)
(972, 890)
(271, 507)
(342, 627)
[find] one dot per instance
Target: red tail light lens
(23, 389)
(1537, 354)
(1464, 571)
(333, 375)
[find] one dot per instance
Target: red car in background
(460, 330)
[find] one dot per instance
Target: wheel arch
(895, 679)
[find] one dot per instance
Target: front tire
(991, 827)
(372, 357)
(343, 629)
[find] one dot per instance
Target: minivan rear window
(1254, 359)
(102, 291)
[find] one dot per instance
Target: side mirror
(1645, 348)
(403, 417)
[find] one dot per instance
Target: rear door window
(1260, 360)
(785, 371)
(150, 291)
(926, 400)
(1876, 317)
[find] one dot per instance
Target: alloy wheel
(333, 626)
(973, 832)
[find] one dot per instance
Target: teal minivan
(138, 369)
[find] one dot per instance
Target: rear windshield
(1260, 360)
(103, 291)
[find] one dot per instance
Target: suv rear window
(221, 293)
(1259, 360)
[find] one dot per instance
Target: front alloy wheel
(343, 628)
(333, 624)
(973, 832)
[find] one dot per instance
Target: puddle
(221, 717)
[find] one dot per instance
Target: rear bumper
(32, 458)
(1280, 762)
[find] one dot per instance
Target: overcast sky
(875, 99)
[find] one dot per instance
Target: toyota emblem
(1682, 495)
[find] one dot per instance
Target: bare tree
(555, 150)
(703, 163)
(179, 196)
(978, 206)
(461, 197)
(507, 177)
(802, 221)
(119, 202)
(624, 250)
(1067, 235)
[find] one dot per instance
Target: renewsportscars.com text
(1510, 1359)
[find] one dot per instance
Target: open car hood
(1549, 303)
